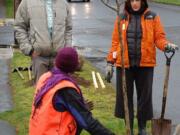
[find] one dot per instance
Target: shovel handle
(169, 57)
(166, 81)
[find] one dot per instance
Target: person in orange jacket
(59, 107)
(142, 32)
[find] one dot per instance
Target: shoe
(132, 133)
(142, 127)
(142, 132)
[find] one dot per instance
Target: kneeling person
(59, 106)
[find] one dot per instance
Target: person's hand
(109, 72)
(170, 47)
(89, 105)
(34, 54)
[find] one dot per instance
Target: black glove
(109, 72)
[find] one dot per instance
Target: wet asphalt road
(6, 38)
(93, 25)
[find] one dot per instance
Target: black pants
(143, 78)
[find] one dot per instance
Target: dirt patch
(80, 80)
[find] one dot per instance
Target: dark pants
(143, 78)
(40, 65)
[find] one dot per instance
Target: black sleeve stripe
(123, 16)
(150, 15)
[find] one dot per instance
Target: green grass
(104, 100)
(174, 2)
(9, 8)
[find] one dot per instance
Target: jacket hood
(128, 8)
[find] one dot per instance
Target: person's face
(135, 4)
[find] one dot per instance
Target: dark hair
(128, 8)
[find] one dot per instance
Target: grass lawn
(104, 100)
(175, 2)
(9, 8)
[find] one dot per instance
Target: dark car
(82, 0)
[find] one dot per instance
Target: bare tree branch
(109, 6)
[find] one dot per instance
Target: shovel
(162, 126)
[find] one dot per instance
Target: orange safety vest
(48, 121)
(153, 36)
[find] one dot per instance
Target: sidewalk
(6, 129)
(6, 33)
(6, 104)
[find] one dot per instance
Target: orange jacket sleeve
(115, 42)
(160, 36)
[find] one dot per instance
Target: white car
(82, 0)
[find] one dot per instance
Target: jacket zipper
(136, 40)
(50, 34)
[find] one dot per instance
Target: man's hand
(34, 54)
(109, 72)
(89, 105)
(170, 47)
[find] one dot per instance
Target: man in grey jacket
(41, 28)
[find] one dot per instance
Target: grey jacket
(31, 29)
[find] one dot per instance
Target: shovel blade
(161, 127)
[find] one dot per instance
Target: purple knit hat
(67, 59)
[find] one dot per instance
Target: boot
(132, 132)
(142, 132)
(142, 127)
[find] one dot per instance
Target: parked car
(82, 0)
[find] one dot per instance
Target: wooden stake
(100, 80)
(29, 73)
(19, 73)
(94, 80)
